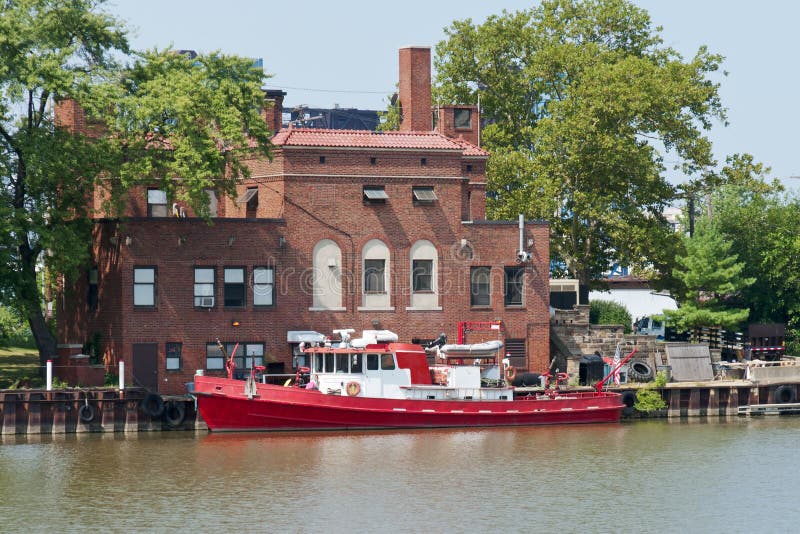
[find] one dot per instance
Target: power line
(350, 91)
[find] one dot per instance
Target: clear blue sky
(313, 48)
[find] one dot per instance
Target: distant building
(341, 229)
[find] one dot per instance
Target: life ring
(153, 405)
(785, 394)
(175, 413)
(353, 388)
(86, 413)
(510, 373)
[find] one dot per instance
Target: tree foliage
(609, 312)
(583, 99)
(711, 282)
(160, 118)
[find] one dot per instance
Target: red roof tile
(368, 139)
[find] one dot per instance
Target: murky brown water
(737, 476)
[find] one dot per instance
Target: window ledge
(481, 307)
(423, 308)
(514, 306)
(327, 309)
(369, 308)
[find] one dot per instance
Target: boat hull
(224, 407)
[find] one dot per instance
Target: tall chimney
(273, 109)
(415, 89)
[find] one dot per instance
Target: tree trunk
(45, 340)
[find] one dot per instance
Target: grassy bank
(19, 366)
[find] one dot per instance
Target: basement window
(375, 194)
(423, 194)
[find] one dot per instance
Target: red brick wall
(446, 124)
(415, 89)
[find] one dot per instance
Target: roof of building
(314, 137)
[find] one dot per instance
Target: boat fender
(175, 413)
(353, 388)
(785, 394)
(86, 413)
(153, 405)
(629, 398)
(511, 373)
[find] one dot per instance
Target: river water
(740, 475)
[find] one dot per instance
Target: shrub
(648, 399)
(13, 330)
(609, 312)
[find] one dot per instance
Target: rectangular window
(480, 286)
(215, 361)
(374, 281)
(91, 298)
(375, 194)
(422, 275)
(156, 203)
(263, 286)
(246, 356)
(462, 118)
(234, 287)
(204, 287)
(250, 199)
(387, 361)
(144, 286)
(173, 356)
(212, 202)
(514, 285)
(372, 362)
(423, 194)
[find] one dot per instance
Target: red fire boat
(375, 382)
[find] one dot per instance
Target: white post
(121, 375)
(49, 375)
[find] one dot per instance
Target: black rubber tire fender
(86, 413)
(628, 398)
(175, 413)
(528, 379)
(640, 371)
(153, 405)
(785, 394)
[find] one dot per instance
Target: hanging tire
(153, 405)
(785, 395)
(86, 413)
(175, 413)
(640, 371)
(629, 398)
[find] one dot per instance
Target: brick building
(342, 229)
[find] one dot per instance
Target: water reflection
(642, 477)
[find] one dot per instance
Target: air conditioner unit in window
(206, 302)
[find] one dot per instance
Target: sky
(344, 52)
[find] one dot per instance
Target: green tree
(583, 100)
(183, 124)
(711, 282)
(610, 312)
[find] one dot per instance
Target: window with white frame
(263, 286)
(144, 286)
(424, 278)
(234, 287)
(375, 281)
(157, 203)
(204, 287)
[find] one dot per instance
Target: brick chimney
(70, 115)
(273, 109)
(415, 89)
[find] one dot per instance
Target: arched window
(424, 281)
(375, 279)
(327, 290)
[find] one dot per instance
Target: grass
(19, 365)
